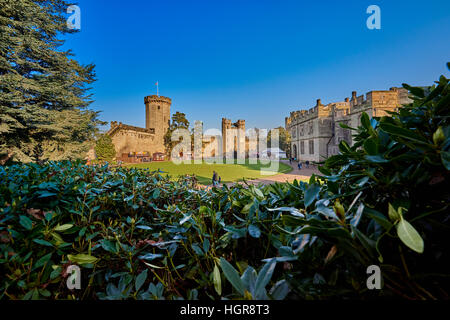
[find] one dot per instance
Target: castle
(131, 141)
(316, 133)
(234, 142)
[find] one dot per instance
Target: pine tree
(44, 95)
(104, 149)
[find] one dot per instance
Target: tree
(44, 95)
(104, 149)
(178, 121)
(284, 142)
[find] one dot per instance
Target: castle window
(159, 107)
(311, 146)
(302, 147)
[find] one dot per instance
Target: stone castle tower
(157, 114)
(130, 140)
(233, 138)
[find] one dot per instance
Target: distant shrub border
(138, 235)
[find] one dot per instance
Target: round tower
(157, 114)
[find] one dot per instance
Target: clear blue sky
(254, 60)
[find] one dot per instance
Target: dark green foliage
(43, 90)
(137, 235)
(104, 149)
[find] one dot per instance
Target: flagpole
(157, 88)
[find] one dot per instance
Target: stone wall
(150, 139)
(128, 139)
(233, 138)
(319, 126)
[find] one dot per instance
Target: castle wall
(128, 139)
(319, 126)
(234, 139)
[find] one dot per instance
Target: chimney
(318, 102)
(346, 99)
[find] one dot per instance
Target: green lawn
(204, 171)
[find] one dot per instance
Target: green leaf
(197, 249)
(371, 146)
(26, 222)
(345, 126)
(376, 159)
(109, 245)
(365, 121)
(378, 217)
(417, 91)
(43, 260)
(293, 211)
(409, 236)
(402, 132)
(217, 280)
(140, 279)
(254, 231)
(279, 290)
(311, 194)
(259, 193)
(43, 242)
(64, 227)
(264, 276)
(82, 258)
(206, 245)
(151, 256)
(445, 157)
(344, 147)
(46, 194)
(368, 243)
(232, 275)
(249, 279)
(393, 214)
(156, 193)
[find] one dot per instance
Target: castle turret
(157, 114)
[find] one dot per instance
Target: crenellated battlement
(377, 98)
(120, 126)
(155, 99)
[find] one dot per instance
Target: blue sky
(254, 60)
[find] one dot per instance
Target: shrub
(104, 149)
(139, 235)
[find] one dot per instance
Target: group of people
(300, 164)
(216, 179)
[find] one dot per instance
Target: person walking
(214, 178)
(307, 164)
(299, 165)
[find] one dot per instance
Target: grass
(228, 172)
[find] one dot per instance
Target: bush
(138, 235)
(104, 149)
